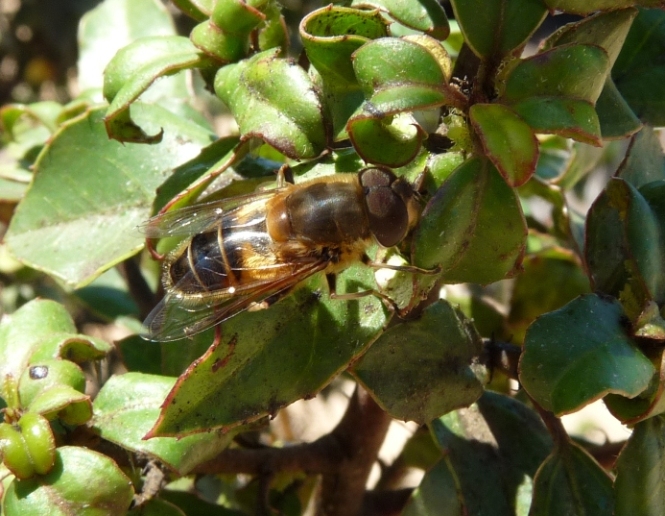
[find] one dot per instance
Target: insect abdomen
(322, 213)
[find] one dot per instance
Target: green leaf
(90, 194)
(608, 30)
(23, 334)
(644, 161)
(133, 69)
(546, 284)
(64, 402)
(508, 141)
(157, 507)
(197, 9)
(640, 483)
(310, 336)
(127, 407)
(82, 482)
(473, 228)
(273, 99)
(570, 118)
(625, 251)
(570, 71)
(580, 353)
(196, 175)
(490, 455)
(108, 296)
(494, 29)
(437, 494)
(590, 6)
(571, 482)
(617, 119)
(639, 71)
(426, 16)
(330, 36)
(391, 141)
(389, 63)
(422, 369)
(40, 377)
(112, 25)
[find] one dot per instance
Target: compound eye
(388, 215)
(373, 177)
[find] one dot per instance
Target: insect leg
(403, 268)
(284, 175)
(332, 284)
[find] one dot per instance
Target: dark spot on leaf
(38, 372)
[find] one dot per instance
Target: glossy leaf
(608, 30)
(639, 72)
(590, 6)
(41, 376)
(574, 71)
(273, 99)
(133, 69)
(112, 25)
(508, 141)
(197, 9)
(403, 74)
(310, 336)
(570, 118)
(223, 46)
(27, 338)
(625, 248)
(580, 353)
(195, 175)
(437, 493)
(157, 507)
(426, 16)
(571, 482)
(99, 192)
(647, 404)
(640, 483)
(82, 482)
(491, 452)
(69, 405)
(494, 29)
(127, 407)
(422, 369)
(390, 141)
(546, 283)
(617, 119)
(461, 229)
(644, 161)
(330, 36)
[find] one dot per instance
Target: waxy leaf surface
(422, 369)
(127, 407)
(508, 141)
(494, 29)
(580, 353)
(273, 99)
(82, 482)
(99, 191)
(473, 228)
(269, 358)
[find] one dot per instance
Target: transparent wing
(198, 218)
(177, 316)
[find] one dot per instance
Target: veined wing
(198, 218)
(178, 316)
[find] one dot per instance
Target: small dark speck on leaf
(38, 372)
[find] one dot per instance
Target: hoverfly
(244, 251)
